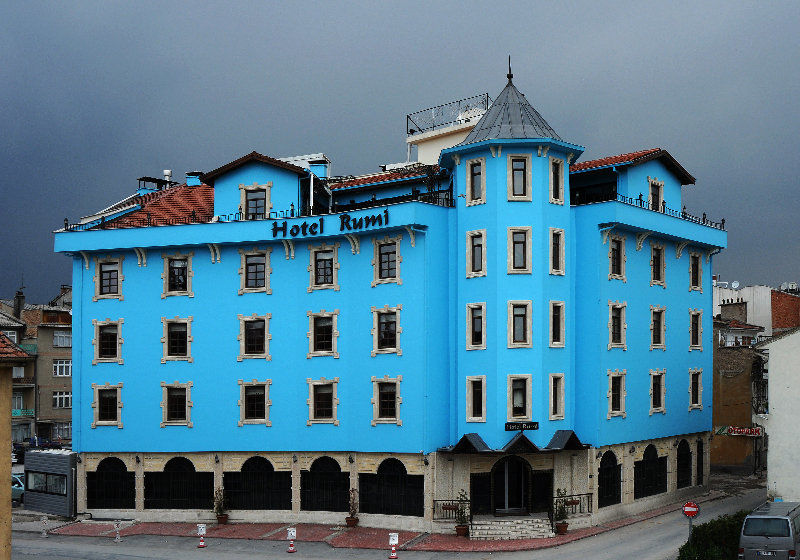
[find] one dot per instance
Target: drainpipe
(311, 194)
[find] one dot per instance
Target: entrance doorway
(511, 478)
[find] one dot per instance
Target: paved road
(655, 539)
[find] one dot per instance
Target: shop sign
(752, 431)
(516, 426)
(347, 223)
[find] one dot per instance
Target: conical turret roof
(510, 117)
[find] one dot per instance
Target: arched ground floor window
(392, 490)
(258, 486)
(178, 487)
(111, 486)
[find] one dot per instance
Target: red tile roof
(383, 177)
(611, 160)
(170, 206)
(635, 158)
(211, 176)
(734, 324)
(10, 352)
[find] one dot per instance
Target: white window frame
(310, 334)
(468, 182)
(663, 310)
(527, 230)
(562, 332)
(376, 260)
(17, 372)
(528, 320)
(266, 187)
(470, 306)
(254, 252)
(59, 428)
(470, 234)
(96, 341)
(62, 368)
(312, 252)
(63, 335)
(376, 311)
(698, 288)
(654, 182)
(62, 399)
(470, 397)
(12, 336)
(559, 413)
(699, 404)
(165, 291)
(189, 404)
(623, 325)
(97, 278)
(243, 355)
(622, 393)
(663, 379)
(165, 357)
(376, 381)
(267, 402)
(653, 247)
(335, 400)
(528, 397)
(560, 270)
(560, 162)
(698, 312)
(623, 257)
(527, 197)
(96, 405)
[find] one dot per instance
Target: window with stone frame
(557, 251)
(696, 389)
(520, 324)
(616, 257)
(658, 393)
(476, 326)
(695, 272)
(658, 271)
(695, 329)
(386, 330)
(556, 396)
(255, 270)
(322, 333)
(519, 397)
(476, 253)
(176, 404)
(616, 393)
(476, 181)
(656, 194)
(556, 181)
(108, 278)
(62, 399)
(254, 402)
(107, 405)
(557, 319)
(617, 326)
(518, 177)
(254, 337)
(386, 260)
(107, 341)
(322, 401)
(176, 339)
(177, 275)
(255, 200)
(62, 368)
(476, 398)
(386, 400)
(658, 327)
(323, 267)
(519, 250)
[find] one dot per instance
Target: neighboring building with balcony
(23, 382)
(505, 322)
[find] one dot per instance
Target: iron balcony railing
(22, 380)
(574, 503)
(448, 509)
(455, 112)
(15, 412)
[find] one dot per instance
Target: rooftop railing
(455, 112)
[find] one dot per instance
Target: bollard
(201, 531)
(393, 539)
(291, 534)
(44, 526)
(117, 525)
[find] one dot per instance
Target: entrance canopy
(473, 443)
(565, 440)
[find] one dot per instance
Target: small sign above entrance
(514, 426)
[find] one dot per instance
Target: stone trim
(559, 413)
(376, 260)
(527, 197)
(663, 344)
(267, 402)
(96, 341)
(312, 251)
(470, 397)
(97, 278)
(266, 187)
(310, 334)
(243, 355)
(509, 396)
(254, 252)
(95, 405)
(322, 381)
(623, 392)
(699, 287)
(376, 381)
(623, 257)
(528, 323)
(527, 230)
(653, 247)
(176, 385)
(376, 311)
(562, 332)
(165, 292)
(468, 182)
(560, 162)
(470, 234)
(699, 404)
(654, 182)
(624, 325)
(470, 306)
(662, 373)
(560, 269)
(692, 313)
(165, 357)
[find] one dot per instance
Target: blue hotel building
(496, 318)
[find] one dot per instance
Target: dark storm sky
(94, 95)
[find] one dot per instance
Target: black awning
(471, 443)
(565, 440)
(520, 444)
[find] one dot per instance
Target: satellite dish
(735, 284)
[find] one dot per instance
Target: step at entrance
(487, 528)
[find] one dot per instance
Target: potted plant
(560, 512)
(462, 518)
(352, 518)
(219, 506)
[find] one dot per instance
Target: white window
(107, 405)
(616, 393)
(557, 333)
(518, 177)
(519, 250)
(18, 372)
(254, 337)
(62, 339)
(519, 397)
(176, 404)
(322, 401)
(386, 260)
(386, 400)
(658, 394)
(254, 402)
(176, 339)
(695, 329)
(62, 368)
(476, 181)
(556, 396)
(658, 270)
(476, 326)
(62, 430)
(616, 257)
(556, 181)
(177, 275)
(656, 194)
(617, 327)
(386, 330)
(254, 270)
(557, 251)
(696, 389)
(62, 399)
(323, 267)
(658, 327)
(17, 401)
(255, 201)
(322, 333)
(12, 336)
(476, 398)
(476, 253)
(107, 341)
(108, 278)
(520, 324)
(695, 272)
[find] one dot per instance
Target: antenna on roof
(509, 75)
(22, 281)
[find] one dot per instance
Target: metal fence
(462, 110)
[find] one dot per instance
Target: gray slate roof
(7, 320)
(510, 117)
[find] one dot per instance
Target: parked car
(771, 532)
(17, 488)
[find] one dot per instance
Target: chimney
(193, 178)
(19, 303)
(168, 175)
